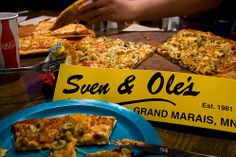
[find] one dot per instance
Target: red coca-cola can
(9, 42)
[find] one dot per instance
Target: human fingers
(91, 4)
(87, 5)
(93, 14)
(98, 19)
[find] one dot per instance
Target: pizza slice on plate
(56, 132)
(201, 52)
(68, 15)
(67, 31)
(37, 44)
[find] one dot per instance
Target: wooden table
(20, 91)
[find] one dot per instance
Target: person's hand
(94, 11)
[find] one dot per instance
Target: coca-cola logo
(9, 45)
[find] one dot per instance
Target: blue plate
(129, 124)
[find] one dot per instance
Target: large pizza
(106, 52)
(201, 53)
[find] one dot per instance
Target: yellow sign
(171, 97)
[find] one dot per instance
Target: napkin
(21, 18)
(138, 27)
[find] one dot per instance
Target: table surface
(19, 91)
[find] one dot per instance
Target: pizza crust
(68, 15)
(119, 152)
(33, 51)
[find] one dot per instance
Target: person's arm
(153, 9)
(104, 10)
(137, 10)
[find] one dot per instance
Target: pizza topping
(58, 144)
(68, 136)
(42, 137)
(33, 145)
(81, 129)
(68, 126)
(99, 135)
(67, 151)
(120, 152)
(127, 141)
(3, 152)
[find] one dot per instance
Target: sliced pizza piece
(119, 152)
(37, 44)
(201, 53)
(68, 15)
(67, 31)
(49, 132)
(105, 52)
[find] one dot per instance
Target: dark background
(35, 5)
(220, 21)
